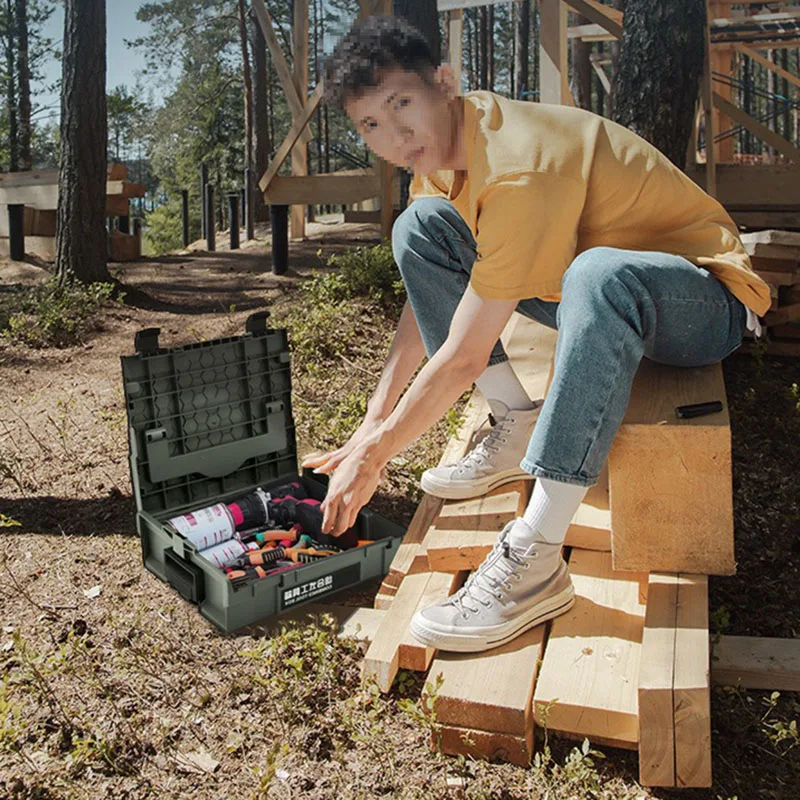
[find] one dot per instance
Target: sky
(123, 62)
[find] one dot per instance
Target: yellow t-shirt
(545, 182)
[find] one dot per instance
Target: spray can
(225, 553)
(206, 526)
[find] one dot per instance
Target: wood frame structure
(301, 189)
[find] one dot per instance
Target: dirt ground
(112, 686)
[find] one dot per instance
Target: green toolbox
(211, 432)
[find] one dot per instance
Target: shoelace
(489, 444)
(466, 600)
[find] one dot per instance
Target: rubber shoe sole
(476, 640)
(464, 490)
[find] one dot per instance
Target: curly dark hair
(373, 45)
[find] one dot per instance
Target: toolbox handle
(214, 462)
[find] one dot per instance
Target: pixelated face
(408, 120)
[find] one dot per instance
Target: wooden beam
(608, 18)
(291, 137)
(412, 654)
(787, 15)
(670, 478)
(750, 53)
(587, 682)
(656, 679)
(757, 128)
(601, 73)
(707, 89)
(553, 78)
(590, 33)
(287, 190)
(281, 67)
(692, 686)
(297, 213)
(752, 662)
(486, 745)
(455, 37)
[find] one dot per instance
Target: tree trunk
(24, 73)
(521, 47)
(81, 234)
(11, 90)
(248, 89)
(484, 48)
(581, 69)
(660, 65)
(490, 46)
(261, 137)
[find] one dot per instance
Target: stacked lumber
(776, 258)
(38, 192)
(626, 666)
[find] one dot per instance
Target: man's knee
(597, 268)
(418, 220)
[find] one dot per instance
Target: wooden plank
(765, 62)
(758, 129)
(281, 67)
(486, 745)
(386, 176)
(588, 680)
(752, 662)
(293, 135)
(788, 238)
(692, 687)
(490, 691)
(783, 315)
(610, 19)
(601, 74)
(288, 190)
(773, 252)
(670, 479)
(766, 219)
(465, 530)
(656, 679)
(756, 187)
(12, 180)
(412, 654)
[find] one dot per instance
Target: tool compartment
(210, 422)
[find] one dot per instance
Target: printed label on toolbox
(347, 576)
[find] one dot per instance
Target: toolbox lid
(208, 419)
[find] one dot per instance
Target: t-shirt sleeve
(527, 234)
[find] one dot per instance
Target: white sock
(551, 508)
(501, 384)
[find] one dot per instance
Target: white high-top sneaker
(513, 590)
(492, 462)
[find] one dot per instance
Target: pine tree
(81, 238)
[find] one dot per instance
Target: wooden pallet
(580, 674)
(776, 258)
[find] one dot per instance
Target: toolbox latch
(146, 341)
(257, 323)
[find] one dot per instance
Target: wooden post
(711, 116)
(234, 198)
(185, 210)
(16, 231)
(137, 227)
(125, 224)
(279, 216)
(211, 228)
(553, 78)
(455, 22)
(203, 184)
(721, 62)
(300, 79)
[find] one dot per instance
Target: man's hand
(351, 487)
(327, 462)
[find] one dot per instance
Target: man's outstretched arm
(405, 355)
(476, 326)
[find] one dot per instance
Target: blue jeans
(616, 307)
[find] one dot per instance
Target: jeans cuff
(561, 477)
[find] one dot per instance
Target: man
(560, 215)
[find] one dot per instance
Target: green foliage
(163, 227)
(368, 272)
(783, 735)
(126, 115)
(793, 393)
(58, 315)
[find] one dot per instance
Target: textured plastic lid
(208, 419)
